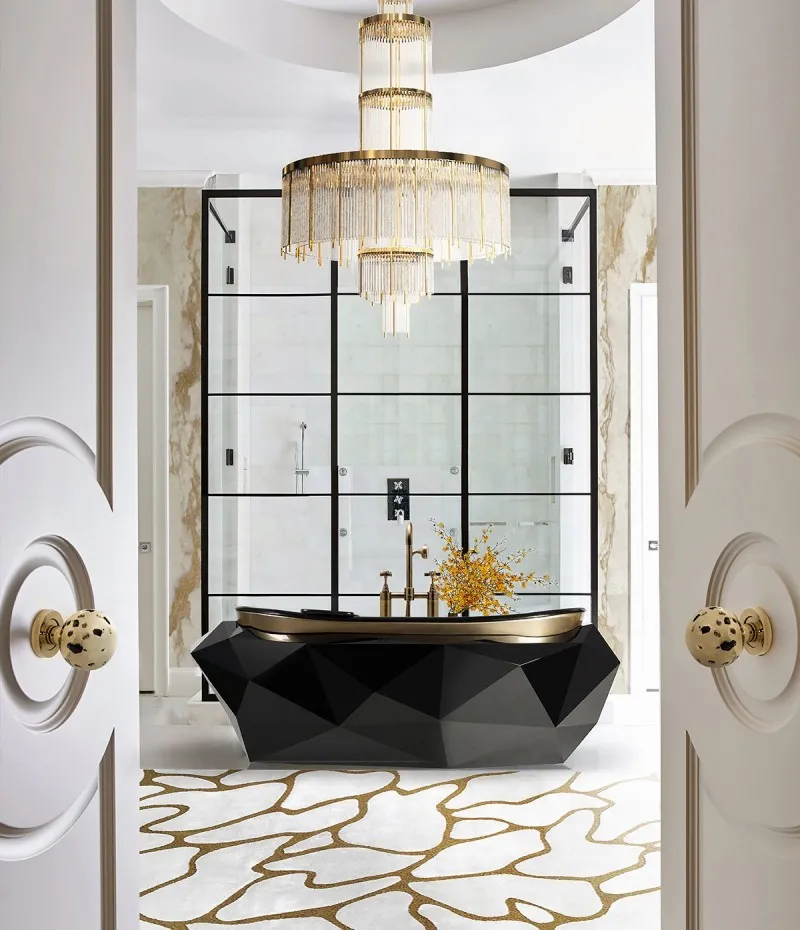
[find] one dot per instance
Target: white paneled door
(68, 735)
(728, 87)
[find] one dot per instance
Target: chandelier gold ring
(394, 18)
(393, 155)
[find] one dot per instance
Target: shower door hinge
(569, 456)
(230, 275)
(566, 274)
(229, 456)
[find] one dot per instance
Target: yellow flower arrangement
(475, 580)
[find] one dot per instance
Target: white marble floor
(300, 849)
(167, 740)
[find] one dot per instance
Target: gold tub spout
(408, 594)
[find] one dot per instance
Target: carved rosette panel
(58, 557)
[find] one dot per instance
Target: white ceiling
(481, 34)
(207, 105)
(366, 7)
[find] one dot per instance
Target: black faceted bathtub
(321, 688)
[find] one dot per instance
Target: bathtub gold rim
(334, 639)
(541, 628)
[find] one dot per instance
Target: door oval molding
(743, 541)
(53, 552)
(777, 429)
(30, 432)
(67, 528)
(764, 714)
(18, 844)
(18, 436)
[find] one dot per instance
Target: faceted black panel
(389, 702)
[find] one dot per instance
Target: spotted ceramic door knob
(717, 637)
(87, 639)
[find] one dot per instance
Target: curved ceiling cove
(470, 34)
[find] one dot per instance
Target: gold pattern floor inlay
(317, 849)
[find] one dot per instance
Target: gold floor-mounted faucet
(408, 595)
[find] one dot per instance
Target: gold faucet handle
(423, 551)
(432, 597)
(385, 574)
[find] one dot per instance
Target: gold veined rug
(387, 850)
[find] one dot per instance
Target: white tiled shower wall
(281, 545)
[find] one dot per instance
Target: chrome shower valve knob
(716, 637)
(87, 639)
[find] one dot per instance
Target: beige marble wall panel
(626, 255)
(169, 253)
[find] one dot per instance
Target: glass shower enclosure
(320, 435)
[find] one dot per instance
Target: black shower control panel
(398, 498)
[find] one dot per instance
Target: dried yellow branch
(477, 578)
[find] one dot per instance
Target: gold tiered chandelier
(395, 205)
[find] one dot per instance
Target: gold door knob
(716, 637)
(87, 639)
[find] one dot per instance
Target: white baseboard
(205, 713)
(632, 710)
(183, 682)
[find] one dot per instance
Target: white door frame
(643, 634)
(158, 297)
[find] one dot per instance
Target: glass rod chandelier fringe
(395, 279)
(458, 209)
(396, 112)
